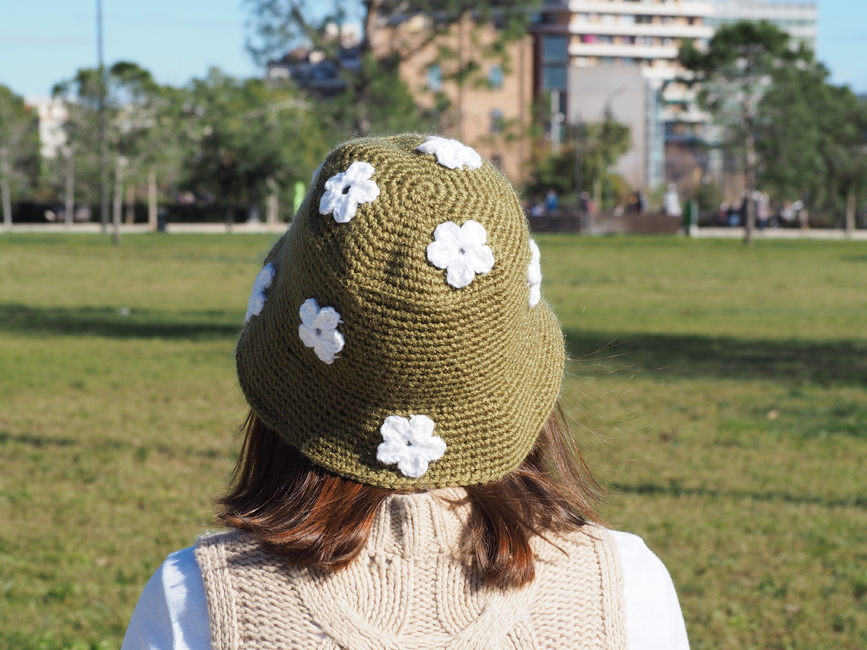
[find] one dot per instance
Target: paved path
(780, 233)
(262, 228)
(137, 229)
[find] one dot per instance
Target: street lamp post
(103, 144)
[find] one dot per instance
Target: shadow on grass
(675, 490)
(110, 322)
(683, 355)
(36, 441)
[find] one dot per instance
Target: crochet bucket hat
(395, 335)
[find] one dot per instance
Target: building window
(554, 77)
(555, 57)
(495, 77)
(434, 77)
(496, 121)
(555, 49)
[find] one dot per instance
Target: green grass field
(721, 393)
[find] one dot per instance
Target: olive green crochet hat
(396, 335)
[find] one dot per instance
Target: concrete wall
(625, 91)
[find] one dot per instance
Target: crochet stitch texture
(408, 590)
(478, 360)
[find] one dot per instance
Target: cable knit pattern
(408, 590)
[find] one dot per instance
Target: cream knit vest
(407, 590)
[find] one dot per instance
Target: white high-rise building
(629, 49)
(799, 19)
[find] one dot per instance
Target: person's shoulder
(653, 616)
(633, 546)
(172, 611)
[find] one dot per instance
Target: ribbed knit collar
(419, 524)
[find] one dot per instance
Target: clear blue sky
(45, 41)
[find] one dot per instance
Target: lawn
(719, 391)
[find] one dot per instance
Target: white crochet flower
(345, 191)
(534, 274)
(451, 153)
(257, 296)
(318, 330)
(461, 250)
(409, 443)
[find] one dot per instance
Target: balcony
(612, 49)
(668, 8)
(641, 29)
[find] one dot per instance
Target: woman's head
(396, 336)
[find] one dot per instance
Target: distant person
(671, 202)
(763, 210)
(538, 208)
(407, 479)
(722, 214)
(642, 202)
(551, 200)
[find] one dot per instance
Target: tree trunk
(272, 208)
(152, 200)
(230, 217)
(70, 191)
(750, 186)
(850, 213)
(4, 187)
(366, 52)
(597, 194)
(130, 204)
(461, 79)
(118, 199)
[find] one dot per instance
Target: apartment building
(637, 43)
(490, 110)
(799, 19)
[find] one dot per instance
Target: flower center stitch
(318, 331)
(346, 189)
(410, 444)
(461, 251)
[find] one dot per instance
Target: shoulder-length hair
(314, 518)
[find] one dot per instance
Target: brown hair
(317, 519)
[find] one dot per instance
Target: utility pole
(4, 188)
(556, 119)
(70, 189)
(103, 144)
(119, 163)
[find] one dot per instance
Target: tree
(789, 133)
(733, 74)
(245, 138)
(812, 136)
(141, 116)
(19, 149)
(845, 148)
(281, 24)
(590, 150)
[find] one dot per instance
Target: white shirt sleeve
(172, 613)
(653, 617)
